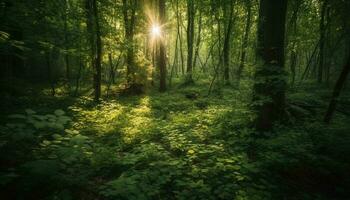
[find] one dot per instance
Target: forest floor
(178, 145)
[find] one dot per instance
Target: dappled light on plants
(138, 122)
(174, 99)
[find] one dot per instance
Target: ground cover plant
(174, 99)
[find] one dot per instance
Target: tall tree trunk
(175, 65)
(93, 27)
(129, 12)
(293, 63)
(112, 71)
(337, 89)
(190, 39)
(154, 49)
(245, 40)
(322, 41)
(329, 53)
(162, 49)
(218, 69)
(292, 26)
(270, 83)
(179, 35)
(77, 81)
(198, 42)
(66, 57)
(98, 67)
(49, 72)
(111, 74)
(309, 62)
(227, 40)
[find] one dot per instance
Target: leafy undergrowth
(177, 145)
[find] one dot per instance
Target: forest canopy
(174, 99)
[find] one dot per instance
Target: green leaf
(59, 112)
(30, 111)
(72, 132)
(17, 116)
(63, 119)
(39, 125)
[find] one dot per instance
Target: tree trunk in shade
(270, 83)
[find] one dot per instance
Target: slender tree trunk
(293, 50)
(309, 62)
(179, 35)
(293, 63)
(227, 41)
(162, 49)
(80, 63)
(322, 41)
(66, 43)
(77, 81)
(129, 12)
(190, 39)
(218, 69)
(112, 72)
(98, 67)
(93, 27)
(154, 64)
(90, 31)
(198, 42)
(270, 84)
(245, 40)
(337, 89)
(175, 61)
(210, 54)
(329, 57)
(49, 73)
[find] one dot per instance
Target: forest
(175, 99)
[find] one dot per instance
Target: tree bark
(129, 12)
(322, 41)
(162, 50)
(66, 57)
(198, 42)
(336, 92)
(174, 68)
(49, 72)
(179, 35)
(245, 40)
(270, 83)
(227, 41)
(292, 27)
(93, 27)
(328, 44)
(190, 39)
(293, 63)
(98, 68)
